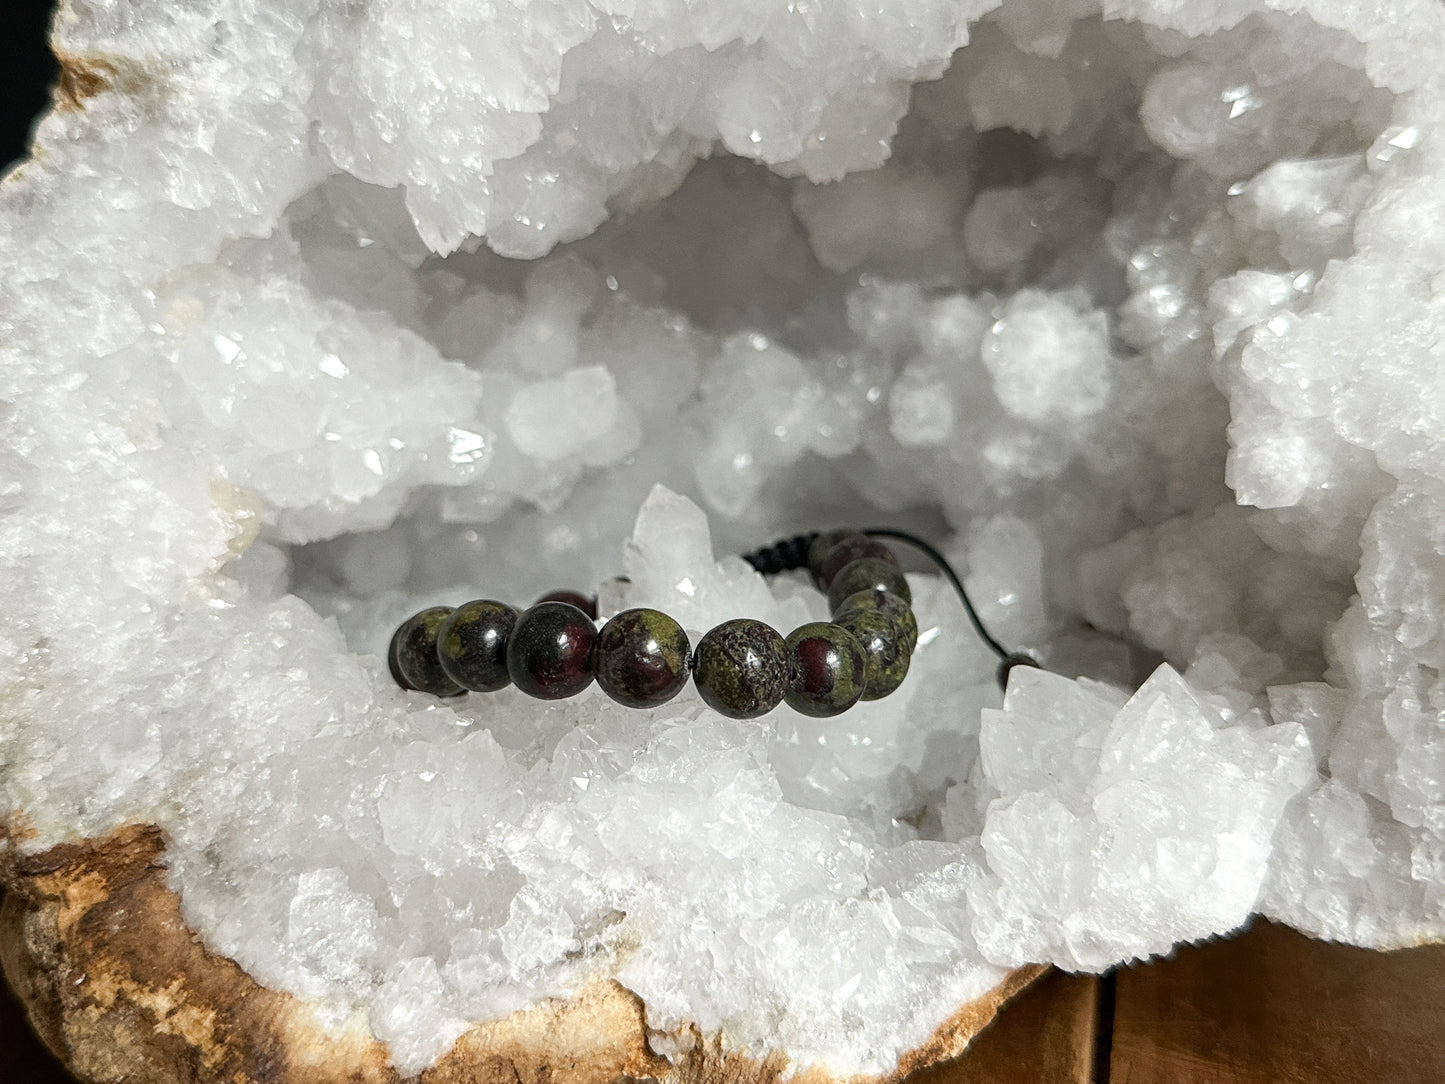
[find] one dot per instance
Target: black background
(27, 70)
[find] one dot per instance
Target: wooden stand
(1267, 1006)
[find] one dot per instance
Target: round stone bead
(818, 552)
(641, 658)
(845, 551)
(828, 669)
(412, 654)
(472, 645)
(549, 654)
(888, 632)
(586, 603)
(741, 668)
(892, 606)
(867, 574)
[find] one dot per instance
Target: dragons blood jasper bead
(888, 632)
(818, 552)
(741, 668)
(412, 654)
(828, 669)
(867, 574)
(549, 654)
(891, 606)
(850, 548)
(472, 645)
(641, 658)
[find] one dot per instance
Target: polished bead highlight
(549, 654)
(641, 658)
(472, 645)
(828, 669)
(867, 574)
(412, 654)
(741, 668)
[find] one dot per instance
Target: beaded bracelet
(742, 668)
(641, 658)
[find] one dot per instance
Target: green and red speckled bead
(642, 658)
(883, 623)
(828, 669)
(412, 655)
(472, 645)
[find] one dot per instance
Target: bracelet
(641, 657)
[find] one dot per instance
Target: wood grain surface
(1269, 1006)
(1046, 1035)
(1272, 1006)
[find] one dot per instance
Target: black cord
(788, 554)
(947, 569)
(1007, 659)
(784, 555)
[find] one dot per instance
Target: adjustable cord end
(784, 555)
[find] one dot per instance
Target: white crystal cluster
(320, 312)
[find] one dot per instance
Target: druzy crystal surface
(319, 313)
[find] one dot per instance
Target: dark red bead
(587, 604)
(549, 654)
(641, 658)
(828, 670)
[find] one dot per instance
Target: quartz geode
(318, 313)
